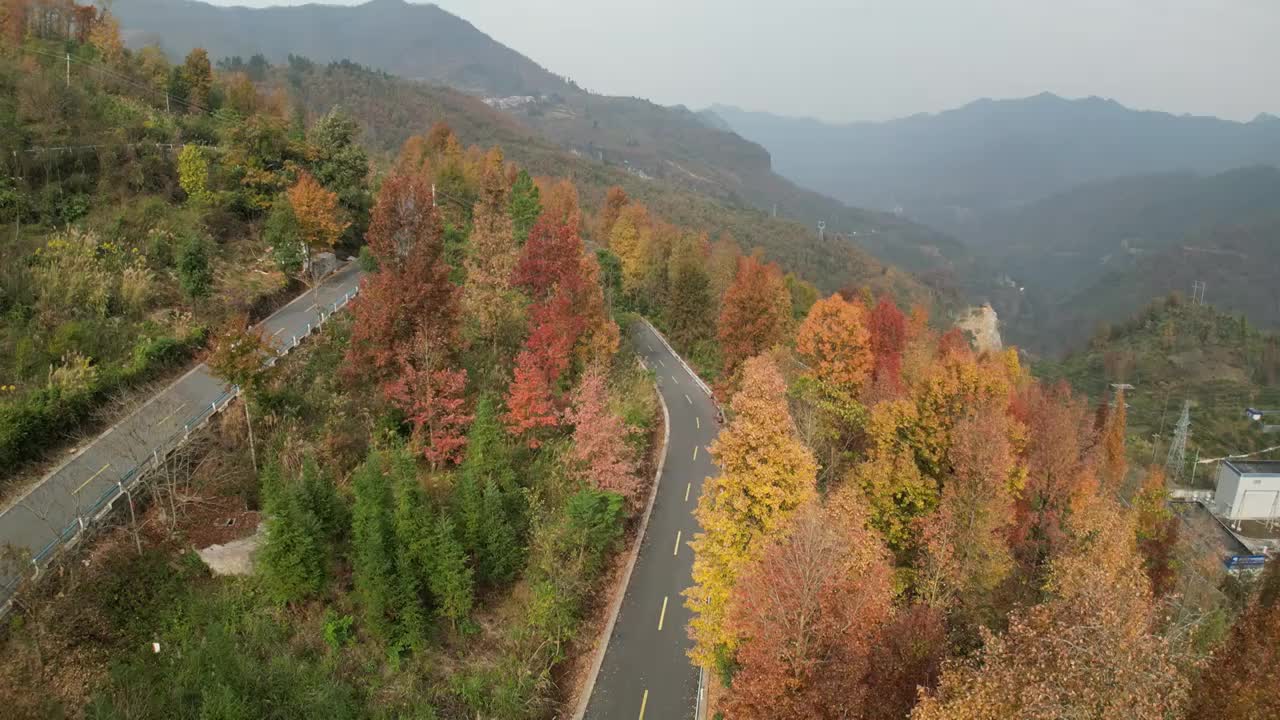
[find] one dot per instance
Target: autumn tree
(888, 330)
(319, 218)
(239, 357)
(755, 314)
(629, 238)
(551, 257)
(1243, 676)
(489, 302)
(834, 344)
(907, 656)
(341, 165)
(967, 554)
(1115, 464)
(615, 199)
(766, 472)
(1087, 651)
(1058, 471)
(533, 396)
(197, 78)
(560, 203)
(433, 400)
(722, 265)
(809, 610)
(409, 300)
(1157, 529)
(600, 455)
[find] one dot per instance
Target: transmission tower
(1178, 448)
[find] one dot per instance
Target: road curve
(646, 672)
(39, 517)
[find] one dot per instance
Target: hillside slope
(1101, 251)
(391, 109)
(943, 168)
(649, 141)
(421, 42)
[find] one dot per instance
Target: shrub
(195, 274)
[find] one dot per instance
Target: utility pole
(1177, 458)
(68, 69)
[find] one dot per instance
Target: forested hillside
(133, 196)
(623, 134)
(392, 109)
(1100, 252)
(945, 168)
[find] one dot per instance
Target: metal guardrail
(105, 502)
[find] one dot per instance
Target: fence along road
(646, 672)
(70, 498)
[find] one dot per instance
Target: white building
(1248, 490)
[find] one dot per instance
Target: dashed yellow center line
(699, 421)
(661, 362)
(677, 549)
(686, 397)
(695, 452)
(277, 332)
(165, 419)
(687, 488)
(661, 618)
(644, 701)
(91, 477)
(312, 307)
(674, 380)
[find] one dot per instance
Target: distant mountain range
(1100, 251)
(648, 141)
(950, 167)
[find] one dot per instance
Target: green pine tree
(294, 559)
(525, 205)
(487, 499)
(689, 300)
(450, 579)
(373, 538)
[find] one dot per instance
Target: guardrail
(101, 507)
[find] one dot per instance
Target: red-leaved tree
(755, 314)
(810, 610)
(409, 299)
(600, 454)
(435, 404)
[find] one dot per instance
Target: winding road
(73, 492)
(646, 672)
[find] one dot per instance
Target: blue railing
(124, 484)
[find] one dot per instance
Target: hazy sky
(874, 59)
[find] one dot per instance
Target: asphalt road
(646, 673)
(68, 492)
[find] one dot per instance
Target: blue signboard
(1245, 562)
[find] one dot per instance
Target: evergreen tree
(489, 504)
(689, 301)
(525, 206)
(294, 559)
(450, 579)
(373, 538)
(342, 166)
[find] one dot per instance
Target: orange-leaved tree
(809, 611)
(834, 343)
(320, 218)
(1242, 681)
(766, 472)
(600, 454)
(755, 315)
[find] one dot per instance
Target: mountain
(420, 42)
(646, 140)
(1100, 251)
(948, 167)
(391, 109)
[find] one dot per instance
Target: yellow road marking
(661, 618)
(686, 397)
(165, 419)
(677, 550)
(644, 701)
(699, 421)
(91, 477)
(277, 332)
(661, 362)
(313, 307)
(687, 488)
(674, 380)
(695, 452)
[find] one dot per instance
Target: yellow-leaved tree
(766, 472)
